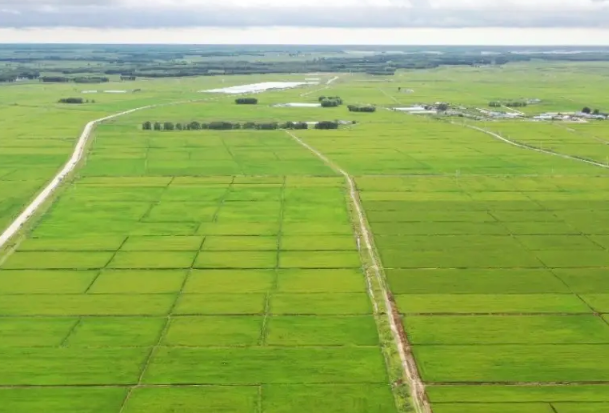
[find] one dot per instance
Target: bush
(157, 126)
(246, 101)
(168, 126)
(146, 126)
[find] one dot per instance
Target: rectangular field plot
(212, 331)
(319, 259)
(509, 363)
(491, 303)
(581, 280)
(318, 304)
(45, 281)
(138, 282)
(70, 366)
(267, 365)
(108, 243)
(494, 407)
(243, 243)
(320, 281)
(133, 260)
(57, 260)
(85, 305)
(217, 304)
(236, 259)
(475, 281)
(30, 332)
(62, 399)
(185, 243)
(115, 332)
(332, 398)
(580, 394)
(231, 399)
(230, 281)
(322, 331)
(318, 243)
(586, 329)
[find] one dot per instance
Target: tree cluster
(222, 125)
(128, 77)
(326, 125)
(362, 108)
(589, 111)
(246, 101)
(330, 101)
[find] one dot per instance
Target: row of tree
(362, 108)
(246, 101)
(75, 101)
(510, 104)
(14, 76)
(222, 125)
(80, 79)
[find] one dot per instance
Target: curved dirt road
(77, 155)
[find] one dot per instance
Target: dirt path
(77, 155)
(532, 148)
(417, 388)
(334, 79)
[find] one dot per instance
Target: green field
(219, 271)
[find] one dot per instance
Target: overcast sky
(307, 21)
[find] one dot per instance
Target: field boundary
(408, 363)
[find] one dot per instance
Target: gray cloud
(112, 14)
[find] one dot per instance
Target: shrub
(168, 126)
(157, 126)
(146, 126)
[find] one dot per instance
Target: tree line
(80, 79)
(223, 125)
(75, 101)
(246, 101)
(362, 108)
(510, 104)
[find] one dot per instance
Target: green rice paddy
(220, 271)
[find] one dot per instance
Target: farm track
(409, 366)
(68, 168)
(531, 147)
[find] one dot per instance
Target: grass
(235, 252)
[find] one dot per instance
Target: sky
(489, 22)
